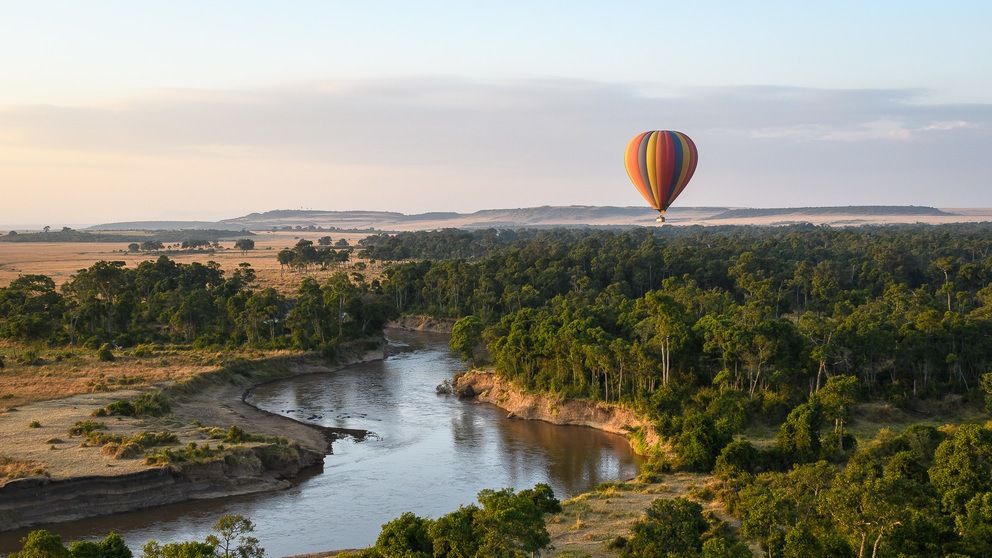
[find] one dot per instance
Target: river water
(430, 454)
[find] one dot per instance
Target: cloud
(471, 144)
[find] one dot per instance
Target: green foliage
(112, 546)
(105, 353)
(244, 244)
(737, 458)
(466, 336)
(671, 529)
(963, 467)
(799, 436)
(86, 427)
(192, 452)
(722, 547)
(149, 404)
(122, 446)
(405, 537)
(698, 442)
(232, 538)
(187, 549)
(505, 524)
(41, 544)
(109, 305)
(986, 385)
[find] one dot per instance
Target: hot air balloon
(660, 163)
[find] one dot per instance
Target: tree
(466, 336)
(46, 228)
(41, 544)
(188, 549)
(341, 243)
(511, 523)
(405, 537)
(231, 538)
(133, 247)
(722, 547)
(799, 436)
(151, 245)
(112, 546)
(244, 244)
(986, 385)
(454, 534)
(324, 241)
(672, 528)
(963, 467)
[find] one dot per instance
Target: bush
(104, 353)
(34, 424)
(148, 404)
(671, 528)
(736, 458)
(86, 427)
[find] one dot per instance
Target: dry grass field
(34, 373)
(59, 260)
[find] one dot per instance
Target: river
(429, 455)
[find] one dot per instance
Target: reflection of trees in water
(575, 458)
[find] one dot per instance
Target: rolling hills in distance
(576, 215)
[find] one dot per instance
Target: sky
(129, 110)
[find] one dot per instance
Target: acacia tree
(244, 244)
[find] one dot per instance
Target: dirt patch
(490, 388)
(590, 521)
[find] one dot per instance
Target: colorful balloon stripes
(660, 164)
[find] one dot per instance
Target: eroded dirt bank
(490, 388)
(429, 324)
(84, 480)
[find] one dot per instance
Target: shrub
(737, 457)
(671, 528)
(148, 404)
(105, 353)
(86, 427)
(190, 453)
(34, 424)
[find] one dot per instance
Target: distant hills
(574, 215)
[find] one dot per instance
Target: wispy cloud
(476, 143)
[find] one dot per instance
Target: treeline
(922, 492)
(304, 256)
(164, 301)
(619, 315)
(708, 331)
(67, 234)
(231, 538)
(437, 245)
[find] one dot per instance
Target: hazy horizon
(205, 112)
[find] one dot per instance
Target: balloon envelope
(660, 163)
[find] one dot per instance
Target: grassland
(59, 260)
(35, 373)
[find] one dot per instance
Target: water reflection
(432, 455)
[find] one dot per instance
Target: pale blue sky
(871, 102)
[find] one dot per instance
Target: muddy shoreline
(89, 484)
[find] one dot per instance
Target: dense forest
(712, 331)
(164, 301)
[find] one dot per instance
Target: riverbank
(490, 388)
(428, 324)
(73, 477)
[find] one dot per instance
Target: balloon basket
(660, 219)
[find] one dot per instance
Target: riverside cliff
(489, 388)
